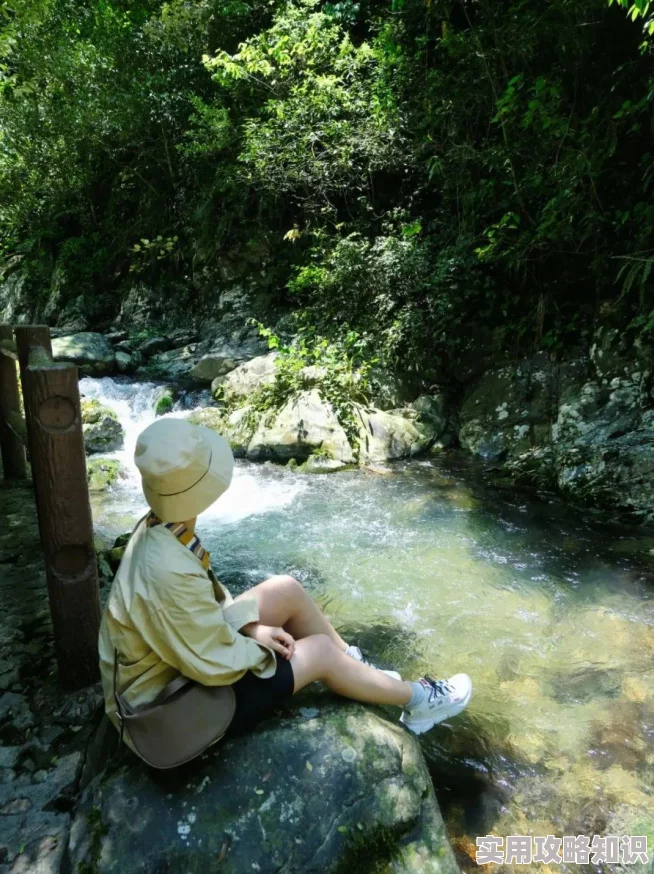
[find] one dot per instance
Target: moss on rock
(102, 473)
(333, 788)
(102, 430)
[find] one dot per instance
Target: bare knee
(322, 652)
(287, 587)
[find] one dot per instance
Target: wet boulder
(153, 345)
(92, 353)
(102, 473)
(127, 362)
(331, 788)
(102, 430)
(432, 409)
(305, 424)
(164, 401)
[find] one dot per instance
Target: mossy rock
(319, 463)
(102, 473)
(102, 430)
(165, 401)
(237, 427)
(93, 412)
(331, 788)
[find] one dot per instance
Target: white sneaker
(442, 700)
(355, 653)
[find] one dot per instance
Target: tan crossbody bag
(180, 724)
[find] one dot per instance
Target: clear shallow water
(435, 569)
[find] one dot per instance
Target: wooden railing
(51, 432)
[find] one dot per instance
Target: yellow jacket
(166, 616)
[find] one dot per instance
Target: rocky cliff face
(584, 426)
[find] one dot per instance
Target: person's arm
(241, 613)
(275, 638)
(188, 630)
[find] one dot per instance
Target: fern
(635, 272)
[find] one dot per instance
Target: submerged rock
(328, 789)
(102, 430)
(92, 353)
(305, 424)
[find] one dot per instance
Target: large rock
(245, 379)
(102, 430)
(584, 427)
(508, 410)
(384, 436)
(153, 345)
(174, 364)
(237, 427)
(102, 473)
(306, 423)
(225, 352)
(334, 789)
(126, 362)
(92, 353)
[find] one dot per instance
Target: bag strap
(119, 703)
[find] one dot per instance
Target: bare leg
(318, 658)
(283, 602)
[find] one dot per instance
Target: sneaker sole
(447, 713)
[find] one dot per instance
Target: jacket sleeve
(189, 631)
(241, 612)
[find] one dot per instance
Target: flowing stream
(434, 568)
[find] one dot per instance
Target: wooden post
(31, 338)
(13, 452)
(52, 408)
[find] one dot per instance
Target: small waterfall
(255, 488)
(133, 403)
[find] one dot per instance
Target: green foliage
(320, 117)
(340, 370)
(638, 9)
(434, 179)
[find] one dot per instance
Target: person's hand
(276, 638)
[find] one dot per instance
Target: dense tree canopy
(427, 173)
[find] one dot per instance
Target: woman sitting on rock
(168, 615)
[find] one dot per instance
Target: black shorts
(256, 698)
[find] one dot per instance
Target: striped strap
(190, 540)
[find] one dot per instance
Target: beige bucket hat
(184, 468)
